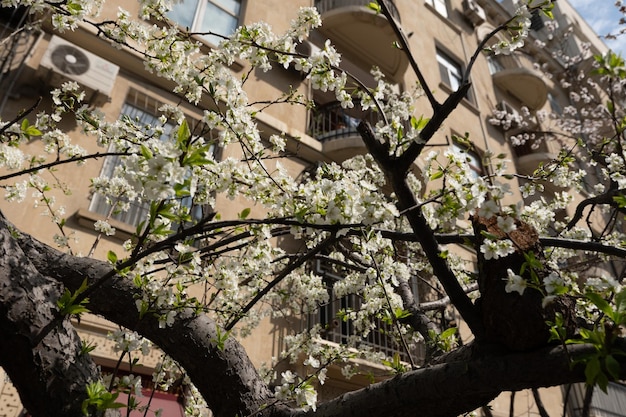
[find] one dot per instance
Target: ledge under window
(86, 218)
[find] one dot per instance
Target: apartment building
(443, 35)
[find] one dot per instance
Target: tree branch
(404, 44)
(423, 233)
(50, 373)
(471, 383)
(226, 378)
(231, 386)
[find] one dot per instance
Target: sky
(604, 18)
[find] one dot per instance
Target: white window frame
(440, 6)
(450, 70)
(472, 158)
(199, 15)
(144, 109)
(494, 65)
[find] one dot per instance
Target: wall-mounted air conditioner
(65, 61)
(474, 12)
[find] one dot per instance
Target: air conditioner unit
(65, 61)
(474, 12)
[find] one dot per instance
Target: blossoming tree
(377, 218)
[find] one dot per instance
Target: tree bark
(39, 350)
(226, 378)
(231, 385)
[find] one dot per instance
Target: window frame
(335, 330)
(445, 64)
(144, 109)
(199, 18)
(440, 6)
(473, 156)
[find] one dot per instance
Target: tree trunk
(39, 350)
(226, 378)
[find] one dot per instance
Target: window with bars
(217, 16)
(142, 110)
(339, 330)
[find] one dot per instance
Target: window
(555, 106)
(440, 6)
(472, 158)
(338, 330)
(137, 211)
(142, 110)
(331, 121)
(217, 16)
(494, 64)
(536, 21)
(450, 71)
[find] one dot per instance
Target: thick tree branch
(49, 372)
(424, 234)
(408, 157)
(226, 378)
(451, 389)
(418, 319)
(231, 385)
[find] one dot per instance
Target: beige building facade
(442, 34)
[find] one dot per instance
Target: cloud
(603, 17)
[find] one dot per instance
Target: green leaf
(602, 381)
(372, 5)
(29, 130)
(99, 398)
(112, 257)
(448, 333)
(602, 304)
(436, 175)
(620, 200)
(400, 313)
(419, 124)
(67, 302)
(220, 339)
(145, 152)
(592, 370)
(612, 366)
(244, 213)
(183, 134)
(620, 305)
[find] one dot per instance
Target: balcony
(335, 127)
(363, 36)
(337, 330)
(516, 75)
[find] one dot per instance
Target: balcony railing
(339, 330)
(327, 5)
(331, 121)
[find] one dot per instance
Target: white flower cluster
(129, 341)
(520, 26)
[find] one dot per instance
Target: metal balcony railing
(331, 121)
(338, 330)
(327, 5)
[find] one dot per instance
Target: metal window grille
(143, 110)
(338, 330)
